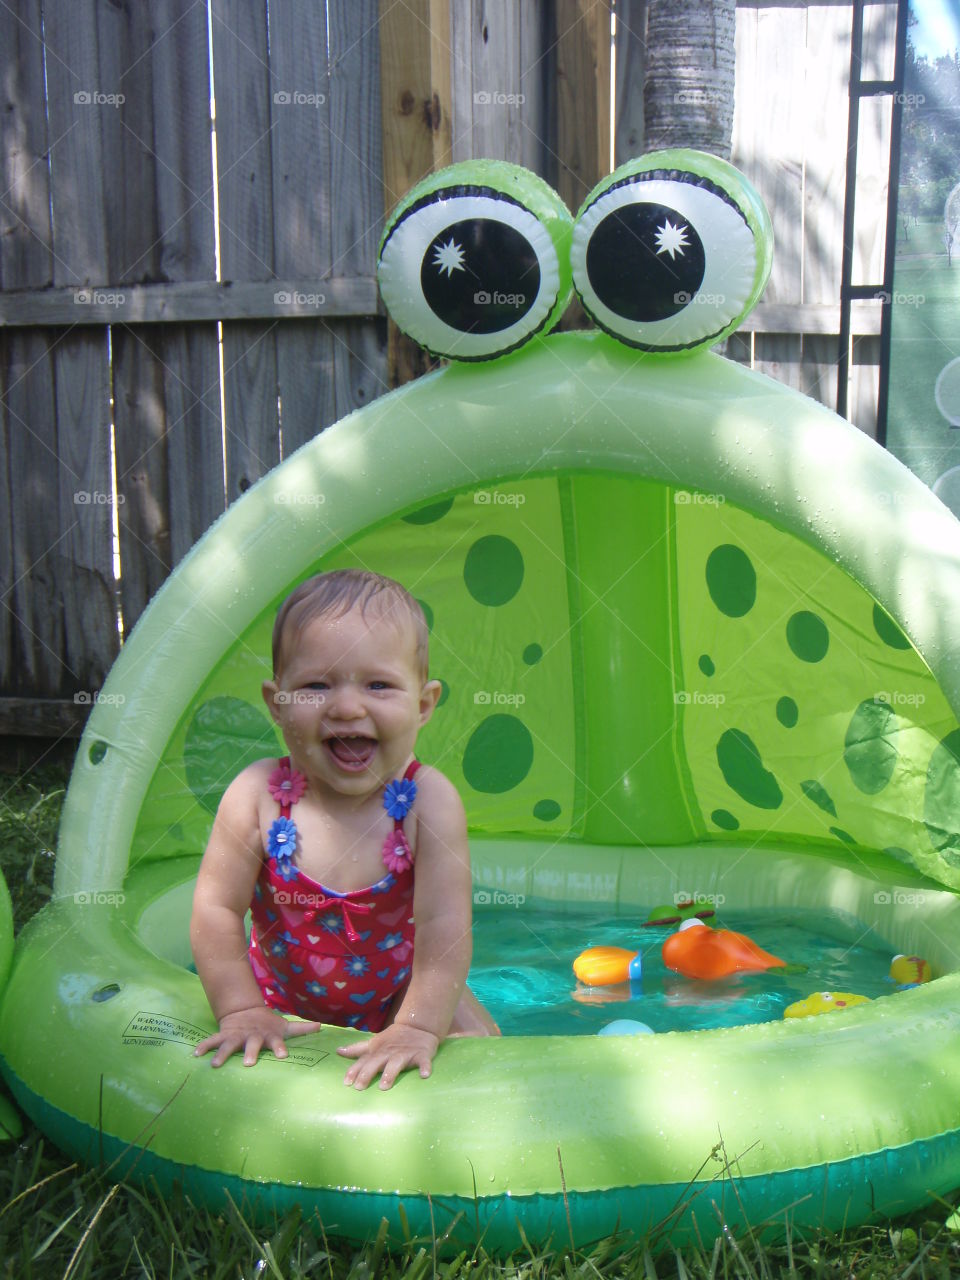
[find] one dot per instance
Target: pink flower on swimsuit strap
(286, 785)
(397, 856)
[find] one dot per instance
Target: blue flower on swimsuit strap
(282, 845)
(398, 797)
(356, 966)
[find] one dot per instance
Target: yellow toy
(910, 970)
(823, 1002)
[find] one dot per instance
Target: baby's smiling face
(350, 698)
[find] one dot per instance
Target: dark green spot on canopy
(724, 819)
(444, 693)
(845, 836)
(499, 754)
(493, 570)
(808, 636)
(706, 664)
(546, 810)
(743, 771)
(787, 712)
(816, 792)
(941, 799)
(731, 580)
(868, 749)
(429, 514)
(532, 654)
(887, 629)
(224, 736)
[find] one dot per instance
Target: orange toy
(700, 952)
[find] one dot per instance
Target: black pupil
(480, 275)
(645, 262)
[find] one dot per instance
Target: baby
(322, 847)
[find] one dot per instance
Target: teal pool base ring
(115, 1012)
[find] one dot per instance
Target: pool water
(523, 969)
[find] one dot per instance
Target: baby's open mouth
(352, 752)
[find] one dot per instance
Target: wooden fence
(193, 194)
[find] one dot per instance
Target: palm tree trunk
(689, 76)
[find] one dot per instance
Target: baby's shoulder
(249, 787)
(436, 792)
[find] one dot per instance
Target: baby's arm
(443, 944)
(225, 884)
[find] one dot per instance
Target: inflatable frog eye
(475, 260)
(671, 251)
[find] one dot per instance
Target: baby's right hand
(251, 1030)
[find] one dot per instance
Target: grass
(58, 1220)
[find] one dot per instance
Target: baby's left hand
(391, 1051)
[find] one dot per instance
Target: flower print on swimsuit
(356, 966)
(390, 941)
(286, 784)
(398, 797)
(282, 841)
(396, 852)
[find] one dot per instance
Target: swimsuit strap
(411, 770)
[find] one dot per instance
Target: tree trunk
(689, 77)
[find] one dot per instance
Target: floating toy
(702, 952)
(688, 595)
(676, 912)
(603, 966)
(625, 1027)
(910, 970)
(823, 1002)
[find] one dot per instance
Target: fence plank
(243, 89)
(162, 230)
(631, 47)
(84, 129)
(359, 355)
(583, 97)
(303, 206)
(27, 656)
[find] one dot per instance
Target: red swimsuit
(320, 954)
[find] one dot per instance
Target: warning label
(154, 1029)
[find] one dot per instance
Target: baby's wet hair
(336, 593)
